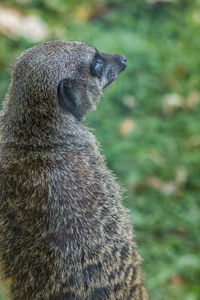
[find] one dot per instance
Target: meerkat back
(64, 233)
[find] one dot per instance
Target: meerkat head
(71, 75)
(94, 73)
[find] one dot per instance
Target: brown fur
(64, 233)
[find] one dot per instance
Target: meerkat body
(64, 233)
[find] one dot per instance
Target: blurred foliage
(147, 122)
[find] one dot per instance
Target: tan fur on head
(64, 233)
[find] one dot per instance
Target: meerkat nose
(122, 60)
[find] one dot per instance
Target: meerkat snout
(107, 67)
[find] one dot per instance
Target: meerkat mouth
(108, 83)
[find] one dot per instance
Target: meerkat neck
(37, 126)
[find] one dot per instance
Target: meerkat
(64, 234)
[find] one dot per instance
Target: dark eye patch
(97, 65)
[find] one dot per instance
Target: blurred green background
(147, 122)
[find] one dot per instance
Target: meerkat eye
(96, 67)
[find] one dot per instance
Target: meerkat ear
(66, 96)
(71, 94)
